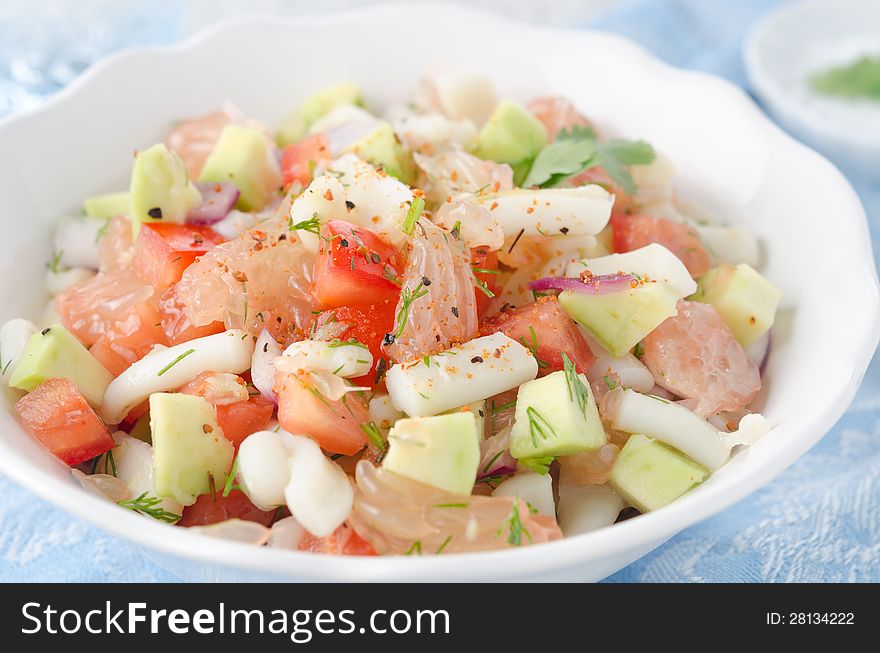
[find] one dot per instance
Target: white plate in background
(791, 43)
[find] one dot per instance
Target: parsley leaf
(579, 149)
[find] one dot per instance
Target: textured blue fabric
(817, 522)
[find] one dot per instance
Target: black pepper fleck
(564, 230)
(388, 339)
(455, 311)
(426, 281)
(155, 213)
(282, 237)
(477, 359)
(265, 347)
(375, 258)
(349, 204)
(343, 242)
(45, 331)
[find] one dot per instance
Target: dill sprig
(539, 426)
(175, 361)
(374, 434)
(484, 288)
(407, 298)
(416, 548)
(333, 344)
(533, 347)
(109, 465)
(230, 485)
(577, 391)
(55, 264)
(539, 464)
(147, 505)
(515, 528)
(312, 225)
(415, 210)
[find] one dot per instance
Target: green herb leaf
(374, 435)
(147, 505)
(539, 427)
(860, 79)
(579, 149)
(415, 210)
(55, 264)
(312, 225)
(533, 347)
(230, 485)
(577, 391)
(514, 525)
(407, 298)
(539, 464)
(175, 361)
(416, 548)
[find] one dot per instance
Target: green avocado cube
(619, 320)
(108, 206)
(381, 148)
(744, 299)
(316, 106)
(55, 353)
(650, 475)
(556, 415)
(243, 157)
(160, 188)
(442, 451)
(511, 135)
(322, 102)
(478, 409)
(188, 447)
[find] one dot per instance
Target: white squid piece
(76, 242)
(14, 336)
(475, 370)
(550, 211)
(351, 182)
(166, 369)
(319, 493)
(340, 358)
(587, 508)
(653, 261)
(535, 489)
(682, 429)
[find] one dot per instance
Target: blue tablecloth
(820, 521)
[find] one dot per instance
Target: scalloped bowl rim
(639, 534)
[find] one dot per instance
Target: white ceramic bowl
(732, 161)
(789, 44)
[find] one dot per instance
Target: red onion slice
(596, 285)
(266, 350)
(218, 199)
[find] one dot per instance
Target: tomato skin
(483, 259)
(176, 324)
(210, 509)
(369, 326)
(298, 160)
(344, 540)
(631, 232)
(334, 425)
(240, 419)
(163, 251)
(57, 415)
(555, 333)
(351, 267)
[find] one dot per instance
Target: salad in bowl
(460, 324)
